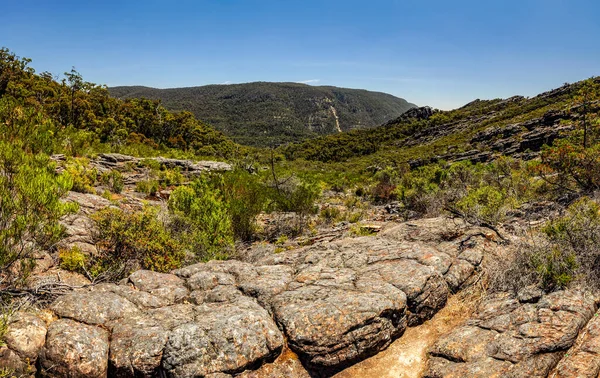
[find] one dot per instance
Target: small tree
(30, 206)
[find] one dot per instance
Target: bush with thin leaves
(201, 217)
(132, 240)
(30, 205)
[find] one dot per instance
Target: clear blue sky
(438, 53)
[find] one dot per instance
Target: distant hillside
(479, 131)
(263, 114)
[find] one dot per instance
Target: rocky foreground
(309, 312)
(332, 304)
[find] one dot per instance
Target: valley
(139, 241)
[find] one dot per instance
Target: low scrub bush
(480, 193)
(246, 197)
(330, 214)
(113, 179)
(485, 204)
(384, 189)
(150, 187)
(202, 219)
(295, 196)
(129, 241)
(568, 252)
(169, 177)
(72, 259)
(571, 167)
(82, 176)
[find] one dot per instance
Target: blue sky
(438, 53)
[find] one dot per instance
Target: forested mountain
(265, 114)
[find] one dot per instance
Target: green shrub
(150, 187)
(30, 205)
(72, 259)
(203, 219)
(330, 213)
(570, 252)
(281, 240)
(246, 197)
(567, 166)
(131, 240)
(151, 164)
(555, 267)
(361, 230)
(113, 179)
(384, 189)
(483, 205)
(170, 177)
(295, 196)
(354, 217)
(81, 174)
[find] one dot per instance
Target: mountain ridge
(274, 113)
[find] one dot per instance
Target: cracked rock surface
(512, 338)
(328, 305)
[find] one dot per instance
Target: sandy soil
(407, 356)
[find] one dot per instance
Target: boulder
(334, 302)
(223, 338)
(93, 307)
(26, 335)
(510, 338)
(583, 360)
(166, 286)
(75, 350)
(136, 347)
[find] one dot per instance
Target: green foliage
(330, 213)
(81, 174)
(150, 187)
(72, 259)
(202, 218)
(361, 230)
(481, 193)
(113, 179)
(246, 111)
(567, 166)
(555, 267)
(484, 205)
(296, 196)
(131, 240)
(246, 196)
(169, 177)
(30, 206)
(572, 251)
(589, 90)
(76, 117)
(384, 189)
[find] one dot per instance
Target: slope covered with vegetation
(265, 114)
(483, 162)
(54, 137)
